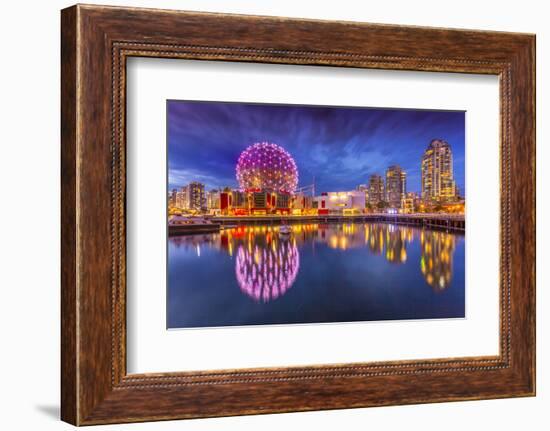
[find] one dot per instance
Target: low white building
(340, 203)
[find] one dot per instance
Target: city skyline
(341, 147)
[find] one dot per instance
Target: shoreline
(450, 223)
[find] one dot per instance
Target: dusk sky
(339, 147)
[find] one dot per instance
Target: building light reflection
(436, 262)
(267, 263)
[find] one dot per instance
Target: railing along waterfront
(450, 222)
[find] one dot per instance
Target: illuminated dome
(267, 166)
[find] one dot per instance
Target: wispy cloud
(178, 177)
(340, 147)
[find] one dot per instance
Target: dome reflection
(266, 271)
(267, 264)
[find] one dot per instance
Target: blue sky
(339, 146)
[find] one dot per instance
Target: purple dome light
(267, 166)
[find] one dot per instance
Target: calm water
(320, 273)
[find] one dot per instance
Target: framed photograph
(260, 246)
(266, 215)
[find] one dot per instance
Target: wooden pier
(192, 229)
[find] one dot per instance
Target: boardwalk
(438, 221)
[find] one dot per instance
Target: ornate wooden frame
(95, 42)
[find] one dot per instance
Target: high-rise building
(182, 199)
(438, 183)
(365, 189)
(376, 189)
(396, 186)
(172, 198)
(213, 200)
(196, 196)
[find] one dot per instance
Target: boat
(183, 225)
(285, 230)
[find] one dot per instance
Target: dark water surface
(320, 273)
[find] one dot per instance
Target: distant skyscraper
(197, 198)
(376, 189)
(182, 199)
(396, 186)
(365, 189)
(172, 198)
(437, 172)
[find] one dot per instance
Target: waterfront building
(282, 202)
(396, 186)
(376, 190)
(196, 196)
(238, 199)
(254, 202)
(225, 202)
(410, 203)
(340, 203)
(182, 198)
(258, 202)
(213, 201)
(263, 202)
(302, 204)
(233, 202)
(438, 183)
(172, 198)
(365, 189)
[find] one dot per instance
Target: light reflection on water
(265, 272)
(342, 261)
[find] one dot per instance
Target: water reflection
(436, 262)
(254, 275)
(265, 272)
(267, 263)
(389, 238)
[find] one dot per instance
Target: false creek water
(320, 273)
